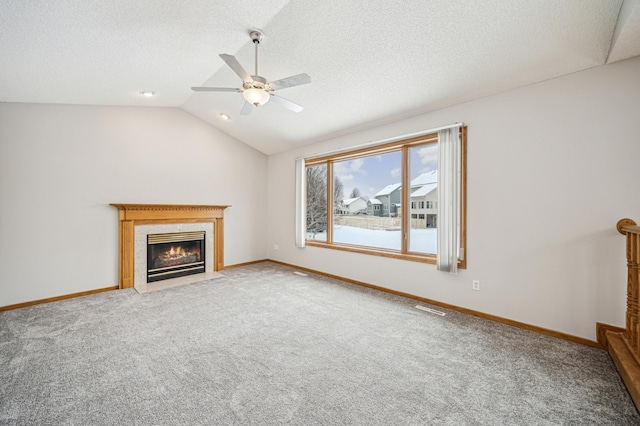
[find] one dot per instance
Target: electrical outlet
(276, 247)
(475, 284)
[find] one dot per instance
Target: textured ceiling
(370, 61)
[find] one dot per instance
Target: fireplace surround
(133, 216)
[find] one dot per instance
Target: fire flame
(176, 255)
(176, 252)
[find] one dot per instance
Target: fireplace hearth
(175, 255)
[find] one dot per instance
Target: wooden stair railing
(624, 345)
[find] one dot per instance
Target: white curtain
(449, 169)
(301, 202)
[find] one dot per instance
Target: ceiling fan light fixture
(256, 96)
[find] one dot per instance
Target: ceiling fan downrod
(257, 37)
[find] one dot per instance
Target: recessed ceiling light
(224, 116)
(147, 93)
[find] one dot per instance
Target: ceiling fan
(255, 89)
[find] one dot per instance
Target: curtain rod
(381, 142)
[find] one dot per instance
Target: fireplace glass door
(175, 255)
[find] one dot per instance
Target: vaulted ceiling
(370, 61)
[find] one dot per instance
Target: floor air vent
(433, 311)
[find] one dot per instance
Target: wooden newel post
(628, 227)
(624, 347)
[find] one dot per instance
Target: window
(387, 176)
(317, 202)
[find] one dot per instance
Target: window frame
(405, 208)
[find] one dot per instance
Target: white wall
(551, 168)
(61, 166)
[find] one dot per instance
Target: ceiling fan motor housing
(257, 83)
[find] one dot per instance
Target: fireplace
(136, 221)
(175, 255)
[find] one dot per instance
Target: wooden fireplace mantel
(130, 215)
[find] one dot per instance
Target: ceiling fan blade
(236, 67)
(215, 89)
(295, 80)
(287, 103)
(246, 108)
